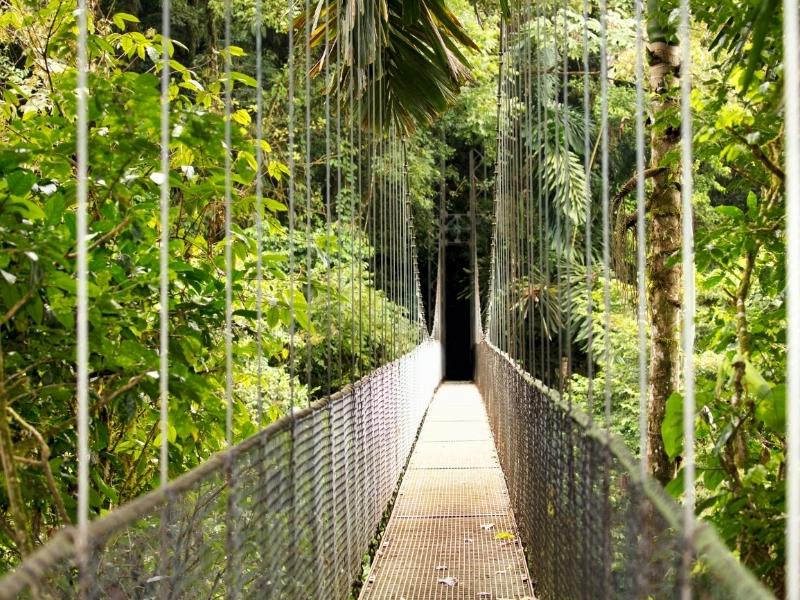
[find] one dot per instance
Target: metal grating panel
(455, 455)
(455, 431)
(452, 492)
(452, 517)
(416, 553)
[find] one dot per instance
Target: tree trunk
(664, 237)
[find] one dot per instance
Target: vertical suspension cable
(519, 208)
(540, 194)
(228, 235)
(231, 579)
(340, 59)
(398, 248)
(382, 217)
(499, 178)
(390, 193)
(163, 351)
(531, 366)
(502, 236)
(640, 239)
(546, 207)
(259, 218)
(607, 374)
(292, 325)
(497, 264)
(442, 208)
(559, 133)
(82, 268)
(500, 185)
(328, 214)
(508, 200)
(791, 57)
(687, 324)
(371, 238)
(515, 191)
(605, 208)
(567, 369)
(291, 183)
(337, 558)
(351, 192)
(587, 546)
(338, 71)
(587, 198)
(358, 198)
(307, 80)
(401, 242)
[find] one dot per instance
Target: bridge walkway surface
(452, 533)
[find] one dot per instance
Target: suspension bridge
(499, 489)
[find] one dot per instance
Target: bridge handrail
(405, 385)
(707, 546)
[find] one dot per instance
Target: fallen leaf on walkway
(448, 581)
(487, 525)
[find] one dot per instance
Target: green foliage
(37, 272)
(672, 426)
(740, 261)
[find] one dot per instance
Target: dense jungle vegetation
(738, 215)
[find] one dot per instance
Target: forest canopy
(433, 68)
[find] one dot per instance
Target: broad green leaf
(675, 487)
(242, 117)
(274, 205)
(244, 79)
(753, 381)
(771, 410)
(734, 212)
(20, 182)
(672, 426)
(120, 19)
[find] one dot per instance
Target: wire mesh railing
(287, 513)
(592, 525)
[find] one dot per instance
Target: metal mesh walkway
(452, 533)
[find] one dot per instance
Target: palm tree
(403, 54)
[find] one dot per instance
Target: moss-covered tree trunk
(664, 231)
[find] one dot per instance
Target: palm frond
(404, 53)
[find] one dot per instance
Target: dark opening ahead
(459, 359)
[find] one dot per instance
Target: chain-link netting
(593, 527)
(288, 513)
